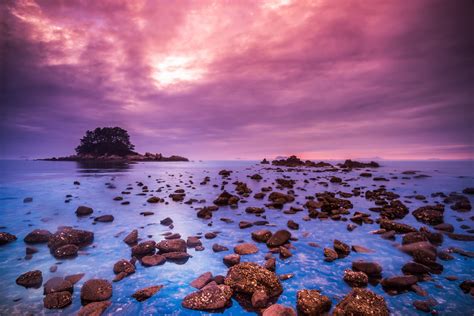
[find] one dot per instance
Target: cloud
(241, 79)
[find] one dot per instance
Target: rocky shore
(257, 285)
(115, 158)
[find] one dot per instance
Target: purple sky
(240, 79)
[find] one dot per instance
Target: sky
(323, 79)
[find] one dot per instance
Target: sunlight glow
(175, 70)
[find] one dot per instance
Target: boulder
(5, 238)
(173, 245)
(279, 238)
(95, 290)
(30, 279)
(144, 294)
(279, 310)
(245, 249)
(231, 260)
(84, 211)
(262, 235)
(372, 269)
(58, 284)
(38, 236)
(355, 279)
(202, 280)
(153, 260)
(132, 238)
(57, 300)
(144, 248)
(94, 309)
(209, 298)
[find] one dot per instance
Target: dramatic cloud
(246, 79)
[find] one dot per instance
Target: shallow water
(49, 182)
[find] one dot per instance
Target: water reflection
(103, 166)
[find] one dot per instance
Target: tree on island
(106, 141)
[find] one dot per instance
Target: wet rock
(209, 298)
(30, 279)
(245, 224)
(132, 238)
(225, 198)
(445, 227)
(245, 249)
(467, 286)
(355, 279)
(330, 255)
(202, 280)
(144, 248)
(270, 264)
(399, 283)
(71, 236)
(177, 257)
(460, 237)
(362, 302)
(57, 300)
(259, 299)
(430, 214)
(415, 268)
(210, 235)
(153, 260)
(124, 266)
(279, 238)
(262, 235)
(372, 269)
(84, 211)
(311, 302)
(468, 190)
(414, 237)
(94, 309)
(66, 251)
(360, 249)
(423, 306)
(144, 294)
(173, 245)
(293, 225)
(57, 284)
(153, 200)
(342, 249)
(254, 210)
(74, 278)
(193, 242)
(219, 248)
(28, 200)
(279, 310)
(284, 252)
(397, 227)
(247, 278)
(96, 290)
(278, 199)
(31, 250)
(104, 219)
(231, 260)
(37, 236)
(6, 238)
(166, 222)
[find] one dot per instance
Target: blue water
(49, 182)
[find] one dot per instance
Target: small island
(111, 144)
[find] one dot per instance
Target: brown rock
(30, 279)
(57, 300)
(132, 238)
(96, 290)
(362, 302)
(209, 298)
(153, 260)
(38, 236)
(279, 238)
(94, 309)
(245, 249)
(202, 280)
(146, 293)
(262, 235)
(279, 310)
(311, 302)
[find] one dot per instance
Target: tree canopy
(106, 141)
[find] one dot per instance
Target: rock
(445, 227)
(245, 224)
(415, 268)
(57, 284)
(209, 298)
(146, 293)
(67, 235)
(342, 249)
(262, 235)
(245, 249)
(104, 219)
(96, 290)
(399, 283)
(202, 280)
(219, 248)
(153, 260)
(74, 278)
(467, 286)
(37, 236)
(225, 198)
(423, 306)
(279, 310)
(259, 299)
(254, 210)
(246, 278)
(469, 190)
(193, 242)
(285, 252)
(397, 227)
(124, 266)
(132, 238)
(330, 255)
(166, 222)
(28, 200)
(279, 238)
(372, 269)
(361, 302)
(355, 279)
(360, 249)
(31, 250)
(5, 238)
(430, 214)
(311, 302)
(66, 251)
(279, 199)
(210, 235)
(57, 300)
(173, 245)
(144, 248)
(84, 211)
(293, 225)
(270, 264)
(30, 279)
(153, 200)
(94, 309)
(177, 257)
(231, 260)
